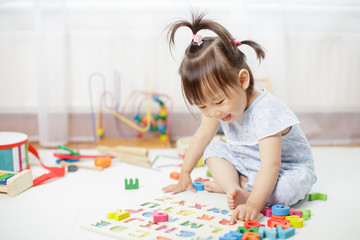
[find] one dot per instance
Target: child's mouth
(227, 118)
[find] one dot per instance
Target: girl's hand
(184, 183)
(245, 212)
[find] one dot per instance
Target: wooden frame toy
(14, 183)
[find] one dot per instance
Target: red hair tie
(197, 38)
(237, 43)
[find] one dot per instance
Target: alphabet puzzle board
(187, 220)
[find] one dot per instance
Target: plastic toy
(160, 216)
(317, 196)
(130, 184)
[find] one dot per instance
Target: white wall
(313, 48)
(49, 49)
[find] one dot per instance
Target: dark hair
(213, 64)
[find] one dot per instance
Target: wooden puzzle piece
(251, 236)
(152, 204)
(295, 221)
(130, 184)
(305, 213)
(285, 233)
(317, 196)
(280, 210)
(101, 224)
(268, 233)
(118, 228)
(118, 215)
(160, 216)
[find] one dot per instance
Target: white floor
(56, 210)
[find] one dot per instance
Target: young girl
(267, 158)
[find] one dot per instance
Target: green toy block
(306, 213)
(316, 196)
(242, 229)
(130, 184)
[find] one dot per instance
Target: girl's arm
(200, 140)
(270, 155)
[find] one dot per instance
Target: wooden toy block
(250, 224)
(266, 211)
(129, 184)
(280, 210)
(278, 217)
(118, 215)
(237, 235)
(295, 221)
(306, 213)
(251, 236)
(199, 186)
(103, 162)
(295, 212)
(199, 179)
(175, 175)
(273, 222)
(285, 233)
(130, 155)
(228, 236)
(268, 233)
(242, 229)
(15, 183)
(317, 196)
(160, 217)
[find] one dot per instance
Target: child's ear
(244, 78)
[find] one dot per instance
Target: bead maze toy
(151, 122)
(14, 183)
(174, 217)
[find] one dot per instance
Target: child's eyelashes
(218, 103)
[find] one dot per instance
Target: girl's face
(226, 108)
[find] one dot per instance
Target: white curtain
(49, 49)
(52, 69)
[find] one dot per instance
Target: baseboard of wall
(320, 128)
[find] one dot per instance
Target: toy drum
(14, 154)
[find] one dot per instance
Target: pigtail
(259, 50)
(197, 24)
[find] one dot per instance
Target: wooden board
(189, 219)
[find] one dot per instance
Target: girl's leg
(226, 181)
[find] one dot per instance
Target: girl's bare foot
(212, 186)
(237, 196)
